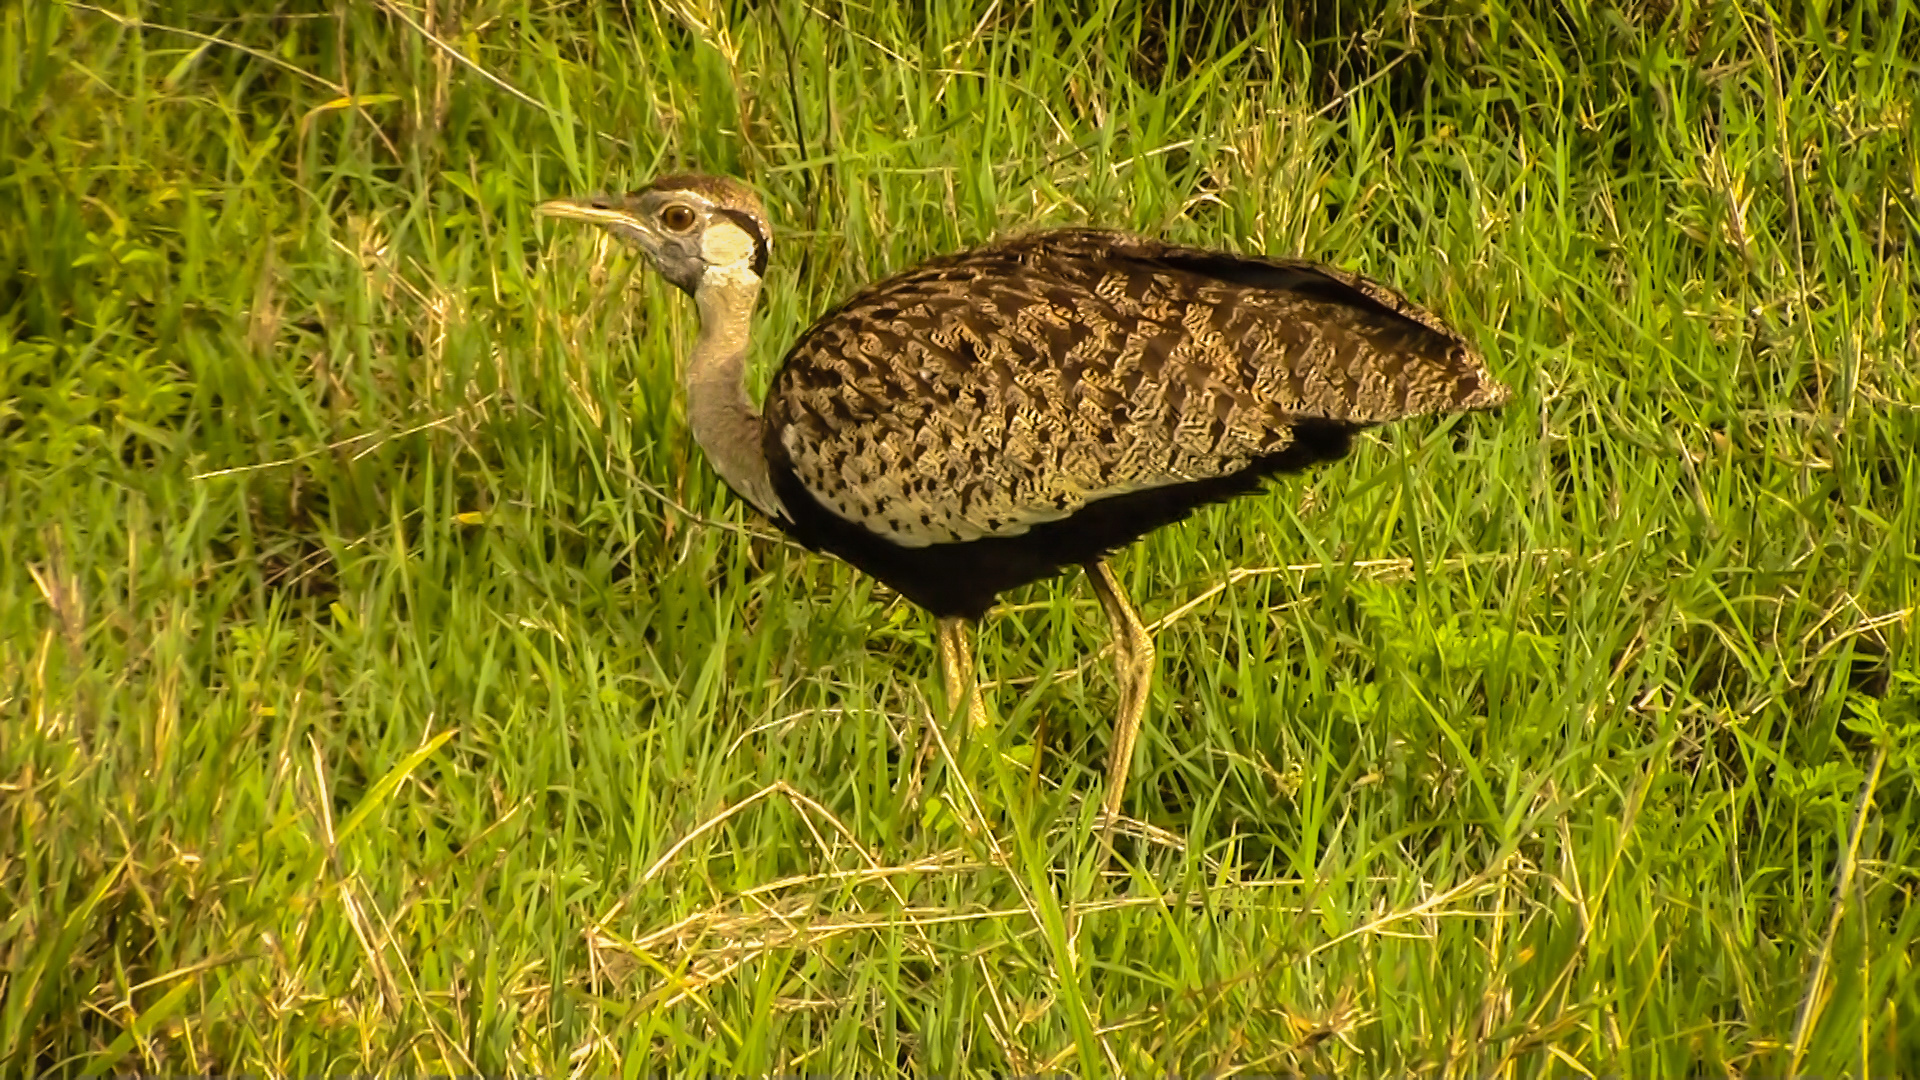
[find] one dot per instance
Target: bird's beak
(585, 210)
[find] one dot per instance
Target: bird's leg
(956, 667)
(1133, 670)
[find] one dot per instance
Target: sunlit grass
(386, 685)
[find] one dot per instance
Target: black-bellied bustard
(987, 419)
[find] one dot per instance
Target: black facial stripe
(752, 228)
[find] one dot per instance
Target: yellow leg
(1133, 659)
(956, 668)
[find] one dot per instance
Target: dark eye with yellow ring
(677, 218)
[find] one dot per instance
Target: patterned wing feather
(981, 394)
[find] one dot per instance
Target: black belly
(962, 579)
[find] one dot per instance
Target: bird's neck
(724, 421)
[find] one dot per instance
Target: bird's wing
(984, 393)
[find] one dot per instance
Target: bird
(998, 416)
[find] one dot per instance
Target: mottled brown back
(984, 393)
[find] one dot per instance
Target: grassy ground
(386, 685)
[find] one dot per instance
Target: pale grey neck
(724, 421)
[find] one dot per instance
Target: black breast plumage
(988, 418)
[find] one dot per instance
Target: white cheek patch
(725, 244)
(733, 276)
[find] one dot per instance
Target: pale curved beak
(592, 211)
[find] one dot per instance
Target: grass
(386, 685)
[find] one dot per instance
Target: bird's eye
(677, 218)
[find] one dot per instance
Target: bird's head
(692, 228)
